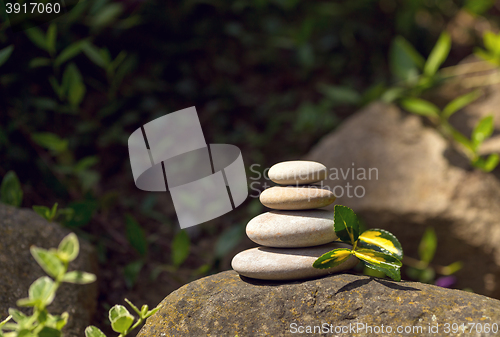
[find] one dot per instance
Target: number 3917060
(33, 7)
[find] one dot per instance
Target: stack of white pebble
(296, 232)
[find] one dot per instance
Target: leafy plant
(481, 132)
(422, 270)
(377, 248)
(51, 214)
(11, 192)
(492, 52)
(42, 292)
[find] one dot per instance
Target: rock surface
(297, 172)
(266, 263)
(419, 181)
(227, 305)
(292, 228)
(21, 228)
(296, 198)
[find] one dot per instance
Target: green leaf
(79, 277)
(428, 245)
(492, 43)
(72, 84)
(26, 302)
(94, 54)
(2, 323)
(39, 62)
(393, 273)
(92, 331)
(106, 15)
(460, 102)
(491, 162)
(340, 95)
(404, 60)
(346, 224)
(69, 52)
(49, 332)
(42, 291)
(49, 261)
(120, 318)
(5, 53)
(135, 235)
(37, 36)
(382, 241)
(82, 213)
(332, 258)
(69, 248)
(181, 246)
(10, 190)
(478, 7)
(152, 311)
(420, 107)
(58, 322)
(134, 307)
(438, 54)
(131, 272)
(43, 211)
(50, 141)
(16, 315)
(381, 262)
(483, 130)
(50, 39)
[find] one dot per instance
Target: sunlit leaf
(460, 102)
(79, 277)
(381, 240)
(42, 290)
(420, 107)
(332, 258)
(438, 54)
(49, 261)
(346, 224)
(483, 130)
(428, 245)
(379, 261)
(92, 331)
(120, 318)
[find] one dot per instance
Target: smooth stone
(266, 263)
(297, 172)
(296, 198)
(292, 228)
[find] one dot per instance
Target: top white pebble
(297, 172)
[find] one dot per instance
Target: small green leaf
(10, 190)
(92, 331)
(49, 261)
(2, 323)
(459, 103)
(53, 211)
(69, 248)
(377, 258)
(26, 302)
(39, 62)
(69, 52)
(152, 311)
(144, 310)
(135, 235)
(482, 131)
(42, 291)
(16, 315)
(332, 258)
(346, 224)
(428, 245)
(106, 15)
(393, 273)
(82, 213)
(120, 318)
(404, 60)
(5, 53)
(49, 332)
(43, 211)
(382, 241)
(94, 54)
(438, 54)
(50, 141)
(181, 246)
(420, 107)
(51, 38)
(79, 277)
(56, 321)
(73, 85)
(492, 43)
(37, 36)
(491, 162)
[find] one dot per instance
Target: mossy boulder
(227, 305)
(22, 228)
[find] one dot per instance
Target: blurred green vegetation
(270, 76)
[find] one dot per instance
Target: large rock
(22, 228)
(416, 180)
(226, 305)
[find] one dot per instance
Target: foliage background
(269, 76)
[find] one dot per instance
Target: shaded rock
(292, 228)
(296, 198)
(414, 184)
(297, 172)
(227, 305)
(22, 228)
(268, 263)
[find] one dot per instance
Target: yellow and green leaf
(379, 261)
(346, 224)
(332, 258)
(381, 241)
